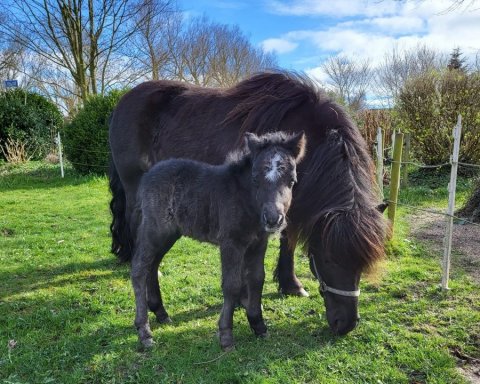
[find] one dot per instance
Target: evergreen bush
(85, 138)
(30, 119)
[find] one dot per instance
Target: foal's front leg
(255, 278)
(231, 257)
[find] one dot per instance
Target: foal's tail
(122, 240)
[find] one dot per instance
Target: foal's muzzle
(272, 222)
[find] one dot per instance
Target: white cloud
(337, 8)
(400, 25)
(278, 45)
(414, 23)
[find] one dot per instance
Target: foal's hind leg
(141, 263)
(154, 296)
(255, 278)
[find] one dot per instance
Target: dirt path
(430, 229)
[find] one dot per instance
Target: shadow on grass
(78, 345)
(46, 277)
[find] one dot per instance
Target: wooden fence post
(405, 160)
(60, 157)
(452, 186)
(395, 177)
(380, 160)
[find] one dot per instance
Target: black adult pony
(234, 205)
(334, 203)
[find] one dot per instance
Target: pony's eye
(255, 180)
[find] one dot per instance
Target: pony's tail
(122, 240)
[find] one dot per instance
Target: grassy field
(67, 306)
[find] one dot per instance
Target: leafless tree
(400, 65)
(234, 57)
(80, 36)
(156, 25)
(214, 54)
(350, 78)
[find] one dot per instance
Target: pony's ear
(382, 207)
(297, 145)
(252, 142)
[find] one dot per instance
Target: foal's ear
(297, 145)
(252, 142)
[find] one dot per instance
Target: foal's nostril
(280, 219)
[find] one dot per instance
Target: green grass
(69, 306)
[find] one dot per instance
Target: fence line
(89, 165)
(449, 216)
(434, 212)
(90, 150)
(419, 165)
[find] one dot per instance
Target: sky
(304, 33)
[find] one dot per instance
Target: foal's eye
(255, 180)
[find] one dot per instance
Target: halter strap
(325, 288)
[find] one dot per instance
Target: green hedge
(428, 107)
(30, 118)
(85, 138)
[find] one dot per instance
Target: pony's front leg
(231, 257)
(255, 278)
(141, 263)
(288, 282)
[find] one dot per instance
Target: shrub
(85, 138)
(369, 120)
(28, 118)
(428, 107)
(471, 209)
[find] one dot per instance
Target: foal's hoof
(263, 335)
(164, 319)
(228, 348)
(148, 343)
(294, 291)
(226, 342)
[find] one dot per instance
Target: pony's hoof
(228, 348)
(296, 291)
(148, 343)
(164, 320)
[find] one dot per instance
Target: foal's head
(274, 159)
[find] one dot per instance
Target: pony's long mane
(345, 210)
(265, 99)
(339, 168)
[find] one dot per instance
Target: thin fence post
(60, 157)
(452, 186)
(395, 177)
(405, 160)
(380, 160)
(392, 143)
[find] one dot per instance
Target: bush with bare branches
(428, 106)
(16, 151)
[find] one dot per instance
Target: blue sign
(11, 83)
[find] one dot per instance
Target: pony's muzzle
(342, 327)
(272, 221)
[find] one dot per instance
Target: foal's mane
(336, 195)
